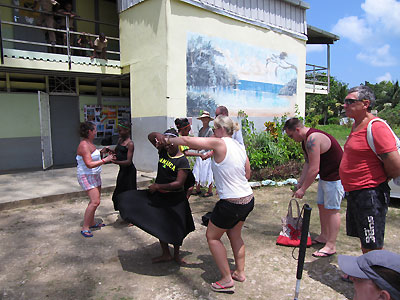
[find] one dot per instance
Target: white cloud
(315, 48)
(385, 12)
(354, 29)
(386, 77)
(378, 57)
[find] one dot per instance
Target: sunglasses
(351, 101)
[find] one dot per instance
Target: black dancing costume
(126, 179)
(165, 215)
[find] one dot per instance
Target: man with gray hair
(364, 174)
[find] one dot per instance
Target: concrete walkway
(37, 187)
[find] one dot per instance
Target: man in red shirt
(322, 153)
(364, 176)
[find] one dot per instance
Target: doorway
(64, 112)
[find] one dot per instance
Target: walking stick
(302, 249)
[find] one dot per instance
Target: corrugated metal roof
(285, 16)
(318, 36)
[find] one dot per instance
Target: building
(174, 58)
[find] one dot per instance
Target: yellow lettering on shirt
(167, 163)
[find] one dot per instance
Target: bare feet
(237, 276)
(162, 258)
(180, 261)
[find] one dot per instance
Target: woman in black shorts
(231, 169)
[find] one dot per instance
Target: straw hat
(205, 114)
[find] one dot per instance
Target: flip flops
(217, 287)
(86, 233)
(324, 254)
(315, 242)
(98, 225)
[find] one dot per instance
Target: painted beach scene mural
(263, 82)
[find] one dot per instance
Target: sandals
(86, 233)
(98, 225)
(217, 287)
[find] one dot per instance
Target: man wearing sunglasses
(364, 175)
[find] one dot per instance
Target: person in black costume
(126, 179)
(163, 210)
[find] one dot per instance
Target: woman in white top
(231, 170)
(89, 160)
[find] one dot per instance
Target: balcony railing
(317, 79)
(69, 47)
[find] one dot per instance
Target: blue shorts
(330, 194)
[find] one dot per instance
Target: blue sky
(369, 45)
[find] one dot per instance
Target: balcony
(26, 45)
(318, 77)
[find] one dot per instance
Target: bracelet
(103, 161)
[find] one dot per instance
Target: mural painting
(262, 82)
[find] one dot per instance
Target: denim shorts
(330, 194)
(227, 214)
(366, 215)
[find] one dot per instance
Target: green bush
(269, 148)
(391, 115)
(334, 121)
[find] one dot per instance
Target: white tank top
(230, 174)
(83, 169)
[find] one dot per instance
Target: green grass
(337, 131)
(341, 133)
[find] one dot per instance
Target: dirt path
(43, 256)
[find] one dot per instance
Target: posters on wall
(260, 81)
(106, 118)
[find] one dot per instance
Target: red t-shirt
(360, 168)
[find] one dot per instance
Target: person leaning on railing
(100, 47)
(46, 19)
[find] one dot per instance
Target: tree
(385, 92)
(326, 107)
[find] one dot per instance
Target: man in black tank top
(322, 155)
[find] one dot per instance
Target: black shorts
(227, 214)
(366, 215)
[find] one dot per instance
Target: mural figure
(239, 76)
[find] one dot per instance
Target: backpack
(370, 140)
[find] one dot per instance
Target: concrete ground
(36, 187)
(43, 255)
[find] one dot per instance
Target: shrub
(271, 147)
(391, 115)
(334, 121)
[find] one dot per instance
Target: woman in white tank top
(89, 160)
(231, 168)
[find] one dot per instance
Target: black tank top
(330, 160)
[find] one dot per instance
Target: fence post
(329, 66)
(68, 41)
(1, 43)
